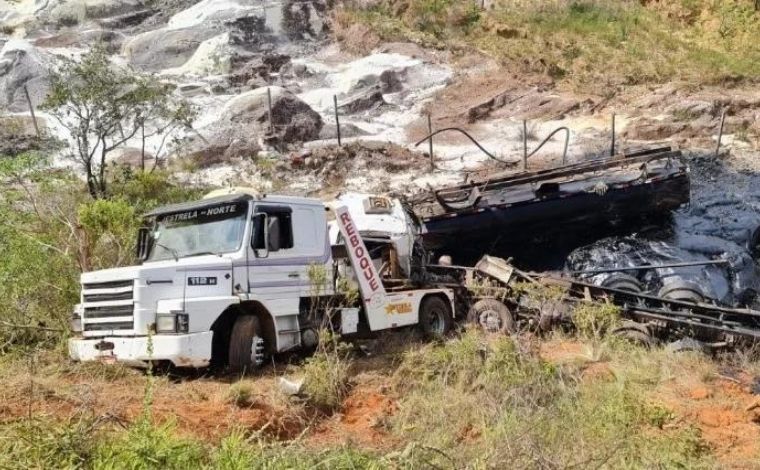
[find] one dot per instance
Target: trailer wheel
(435, 317)
(684, 291)
(246, 344)
(636, 333)
(621, 281)
(492, 316)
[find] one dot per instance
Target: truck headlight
(172, 323)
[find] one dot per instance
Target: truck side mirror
(143, 243)
(260, 239)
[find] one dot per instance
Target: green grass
(586, 43)
(498, 402)
(470, 402)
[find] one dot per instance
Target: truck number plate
(201, 281)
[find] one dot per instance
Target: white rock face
(13, 13)
(211, 58)
(210, 10)
(164, 48)
(254, 102)
(81, 10)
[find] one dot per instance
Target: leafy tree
(103, 107)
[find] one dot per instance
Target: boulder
(347, 130)
(260, 66)
(293, 120)
(211, 58)
(70, 12)
(130, 157)
(111, 40)
(249, 32)
(207, 11)
(21, 64)
(390, 82)
(127, 20)
(18, 135)
(165, 48)
(363, 100)
(649, 129)
(223, 147)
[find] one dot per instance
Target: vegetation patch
(584, 43)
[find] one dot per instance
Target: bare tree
(103, 107)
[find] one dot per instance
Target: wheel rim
(257, 351)
(490, 321)
(433, 321)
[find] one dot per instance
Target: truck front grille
(105, 312)
(108, 306)
(107, 285)
(110, 326)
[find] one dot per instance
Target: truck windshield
(208, 230)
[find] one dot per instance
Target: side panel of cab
(297, 256)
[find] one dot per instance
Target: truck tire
(636, 333)
(435, 317)
(492, 316)
(626, 282)
(246, 344)
(684, 291)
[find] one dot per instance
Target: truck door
(286, 240)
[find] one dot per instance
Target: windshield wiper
(170, 250)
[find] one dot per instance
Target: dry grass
(587, 44)
(472, 401)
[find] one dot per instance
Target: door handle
(294, 275)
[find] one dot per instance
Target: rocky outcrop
(127, 20)
(21, 64)
(111, 40)
(19, 135)
(362, 100)
(76, 11)
(292, 119)
(208, 11)
(130, 157)
(211, 58)
(165, 48)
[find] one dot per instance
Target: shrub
(52, 231)
(595, 319)
(240, 394)
(45, 443)
(110, 227)
(146, 445)
(326, 374)
(235, 453)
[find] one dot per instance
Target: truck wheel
(636, 333)
(626, 282)
(492, 316)
(685, 291)
(435, 317)
(246, 344)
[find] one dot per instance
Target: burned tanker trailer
(538, 217)
(708, 253)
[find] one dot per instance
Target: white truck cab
(228, 279)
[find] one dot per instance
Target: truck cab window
(279, 225)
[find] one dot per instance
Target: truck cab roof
(229, 196)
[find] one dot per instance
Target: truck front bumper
(190, 350)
